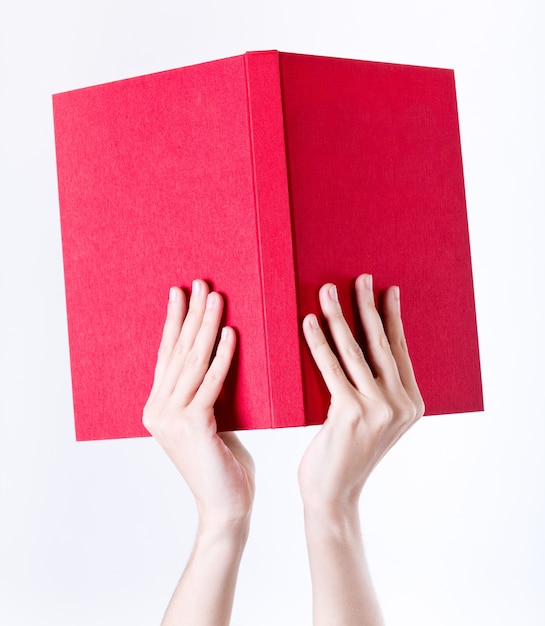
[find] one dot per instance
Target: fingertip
(392, 299)
(199, 291)
(212, 300)
(360, 281)
(328, 296)
(396, 293)
(196, 287)
(176, 302)
(228, 341)
(175, 294)
(227, 334)
(312, 331)
(311, 322)
(364, 288)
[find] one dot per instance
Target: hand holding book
(219, 471)
(374, 400)
(374, 396)
(180, 410)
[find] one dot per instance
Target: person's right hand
(374, 397)
(180, 410)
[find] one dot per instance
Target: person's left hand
(180, 410)
(375, 398)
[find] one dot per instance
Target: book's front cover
(156, 188)
(184, 174)
(376, 185)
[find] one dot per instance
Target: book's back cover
(156, 188)
(376, 185)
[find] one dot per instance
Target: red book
(266, 174)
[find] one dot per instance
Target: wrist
(331, 509)
(341, 523)
(232, 518)
(224, 531)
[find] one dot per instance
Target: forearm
(341, 584)
(204, 596)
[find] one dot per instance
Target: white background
(454, 517)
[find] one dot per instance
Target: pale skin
(374, 400)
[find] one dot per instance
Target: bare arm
(219, 471)
(205, 592)
(374, 400)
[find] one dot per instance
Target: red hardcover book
(267, 174)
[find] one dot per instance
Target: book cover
(266, 174)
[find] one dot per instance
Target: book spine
(274, 232)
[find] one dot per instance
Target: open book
(266, 174)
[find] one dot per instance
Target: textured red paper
(266, 174)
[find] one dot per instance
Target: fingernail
(333, 294)
(313, 322)
(224, 333)
(211, 300)
(397, 298)
(196, 287)
(174, 294)
(369, 285)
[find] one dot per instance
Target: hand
(374, 398)
(180, 410)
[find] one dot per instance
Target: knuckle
(354, 419)
(194, 360)
(420, 407)
(370, 308)
(337, 313)
(354, 351)
(407, 414)
(164, 350)
(319, 345)
(334, 367)
(179, 348)
(383, 342)
(379, 414)
(353, 414)
(380, 342)
(163, 429)
(400, 343)
(213, 377)
(334, 313)
(148, 420)
(408, 411)
(163, 424)
(384, 415)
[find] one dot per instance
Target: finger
(378, 350)
(348, 349)
(326, 361)
(393, 327)
(213, 381)
(176, 310)
(198, 358)
(192, 323)
(186, 337)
